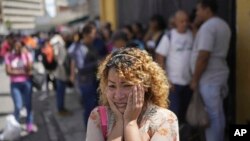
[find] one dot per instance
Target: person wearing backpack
(173, 55)
(60, 72)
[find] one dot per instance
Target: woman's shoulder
(167, 113)
(161, 113)
(157, 119)
(94, 115)
(9, 55)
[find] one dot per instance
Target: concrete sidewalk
(6, 104)
(51, 126)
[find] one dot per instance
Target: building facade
(20, 14)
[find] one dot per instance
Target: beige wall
(108, 12)
(243, 61)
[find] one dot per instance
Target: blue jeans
(22, 91)
(213, 99)
(89, 98)
(180, 97)
(60, 94)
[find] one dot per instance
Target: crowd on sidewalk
(191, 49)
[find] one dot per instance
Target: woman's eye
(111, 86)
(127, 85)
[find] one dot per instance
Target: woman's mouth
(120, 105)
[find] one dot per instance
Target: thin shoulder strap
(168, 34)
(104, 120)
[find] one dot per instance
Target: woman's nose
(119, 95)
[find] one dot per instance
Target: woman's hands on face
(134, 104)
(118, 114)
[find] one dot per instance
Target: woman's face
(118, 90)
(18, 47)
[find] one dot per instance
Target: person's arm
(131, 131)
(204, 46)
(94, 131)
(200, 67)
(72, 71)
(131, 114)
(162, 51)
(29, 63)
(168, 130)
(161, 60)
(10, 71)
(117, 132)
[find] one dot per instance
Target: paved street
(6, 106)
(51, 126)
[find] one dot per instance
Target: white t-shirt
(177, 51)
(213, 36)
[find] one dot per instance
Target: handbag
(197, 115)
(37, 76)
(104, 121)
(37, 79)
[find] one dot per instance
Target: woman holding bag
(133, 90)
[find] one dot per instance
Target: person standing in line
(209, 66)
(173, 55)
(84, 62)
(60, 73)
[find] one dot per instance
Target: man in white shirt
(173, 54)
(209, 66)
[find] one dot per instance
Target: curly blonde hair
(136, 66)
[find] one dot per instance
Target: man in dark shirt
(84, 63)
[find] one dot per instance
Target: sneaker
(31, 128)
